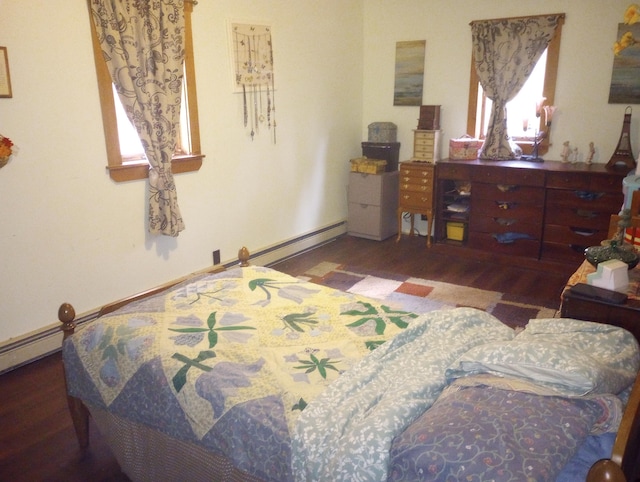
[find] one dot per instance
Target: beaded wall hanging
(253, 61)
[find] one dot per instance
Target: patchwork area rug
(421, 295)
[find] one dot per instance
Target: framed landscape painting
(409, 72)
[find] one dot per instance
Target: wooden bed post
(243, 256)
(79, 413)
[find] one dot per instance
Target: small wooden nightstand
(416, 194)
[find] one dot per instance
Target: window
(125, 157)
(541, 83)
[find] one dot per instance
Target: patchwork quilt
(228, 360)
(295, 381)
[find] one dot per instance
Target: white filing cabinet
(373, 203)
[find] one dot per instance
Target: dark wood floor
(37, 441)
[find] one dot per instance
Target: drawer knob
(505, 205)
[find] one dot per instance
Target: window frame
(120, 169)
(548, 91)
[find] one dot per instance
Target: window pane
(521, 107)
(130, 145)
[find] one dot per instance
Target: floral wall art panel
(409, 72)
(625, 76)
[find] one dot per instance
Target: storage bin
(383, 132)
(368, 166)
(389, 151)
(464, 148)
(455, 231)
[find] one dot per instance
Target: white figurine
(566, 151)
(574, 157)
(592, 151)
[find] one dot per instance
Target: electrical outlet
(216, 256)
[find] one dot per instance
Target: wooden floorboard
(37, 441)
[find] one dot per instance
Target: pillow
(570, 356)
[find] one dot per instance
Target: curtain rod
(560, 15)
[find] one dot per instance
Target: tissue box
(464, 148)
(611, 275)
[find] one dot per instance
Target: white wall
(69, 233)
(584, 73)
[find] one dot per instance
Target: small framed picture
(5, 77)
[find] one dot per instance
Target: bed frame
(623, 466)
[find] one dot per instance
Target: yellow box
(368, 166)
(455, 231)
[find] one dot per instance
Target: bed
(250, 374)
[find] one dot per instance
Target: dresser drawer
(581, 181)
(501, 225)
(371, 222)
(487, 242)
(416, 170)
(582, 218)
(416, 200)
(505, 209)
(424, 139)
(509, 192)
(574, 235)
(607, 202)
(419, 188)
(563, 252)
(374, 189)
(458, 172)
(424, 155)
(502, 175)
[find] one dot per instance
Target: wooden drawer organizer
(426, 146)
(416, 194)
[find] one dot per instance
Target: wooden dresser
(550, 210)
(416, 193)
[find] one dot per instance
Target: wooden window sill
(140, 170)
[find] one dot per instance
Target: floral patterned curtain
(505, 51)
(142, 43)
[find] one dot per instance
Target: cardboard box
(455, 231)
(464, 148)
(368, 166)
(383, 132)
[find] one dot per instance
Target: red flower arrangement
(6, 149)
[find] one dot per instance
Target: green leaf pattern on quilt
(299, 336)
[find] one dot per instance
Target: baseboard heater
(48, 340)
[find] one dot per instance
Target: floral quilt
(295, 381)
(228, 360)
